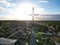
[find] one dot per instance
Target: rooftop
(6, 41)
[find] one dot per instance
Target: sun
(23, 11)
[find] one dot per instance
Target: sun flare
(23, 10)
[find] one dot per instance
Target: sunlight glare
(23, 10)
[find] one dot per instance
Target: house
(5, 41)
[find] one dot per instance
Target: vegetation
(9, 27)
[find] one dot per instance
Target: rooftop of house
(7, 41)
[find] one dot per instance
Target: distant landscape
(14, 29)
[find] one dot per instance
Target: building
(4, 41)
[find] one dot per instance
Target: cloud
(1, 9)
(22, 11)
(6, 6)
(6, 3)
(44, 1)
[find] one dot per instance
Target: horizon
(41, 17)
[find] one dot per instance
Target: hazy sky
(19, 9)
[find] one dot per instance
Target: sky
(20, 9)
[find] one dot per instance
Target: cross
(32, 37)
